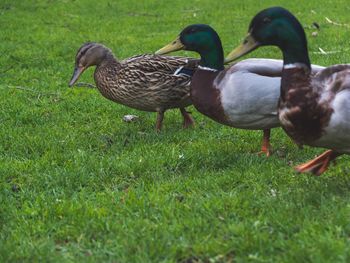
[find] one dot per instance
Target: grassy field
(77, 184)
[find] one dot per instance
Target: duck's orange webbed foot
(318, 165)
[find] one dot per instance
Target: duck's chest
(109, 85)
(303, 113)
(206, 96)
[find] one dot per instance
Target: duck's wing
(264, 67)
(333, 88)
(334, 78)
(166, 64)
(250, 90)
(330, 81)
(267, 67)
(249, 93)
(149, 80)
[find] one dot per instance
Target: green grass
(77, 184)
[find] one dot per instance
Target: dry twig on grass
(335, 23)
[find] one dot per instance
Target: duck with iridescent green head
(244, 95)
(313, 110)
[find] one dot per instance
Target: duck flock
(310, 102)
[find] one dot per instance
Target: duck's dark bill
(173, 46)
(248, 45)
(76, 74)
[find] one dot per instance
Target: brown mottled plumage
(314, 111)
(145, 82)
(306, 117)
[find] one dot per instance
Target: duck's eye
(266, 20)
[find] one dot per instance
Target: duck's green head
(199, 38)
(275, 26)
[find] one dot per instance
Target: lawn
(77, 184)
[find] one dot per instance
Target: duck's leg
(266, 147)
(188, 120)
(159, 123)
(318, 165)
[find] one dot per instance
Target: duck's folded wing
(165, 64)
(267, 67)
(333, 84)
(264, 67)
(333, 73)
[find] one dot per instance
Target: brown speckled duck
(313, 110)
(145, 82)
(244, 95)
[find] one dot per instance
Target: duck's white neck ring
(208, 69)
(294, 65)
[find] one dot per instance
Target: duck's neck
(296, 69)
(212, 56)
(213, 59)
(205, 96)
(108, 59)
(296, 61)
(294, 46)
(107, 67)
(296, 55)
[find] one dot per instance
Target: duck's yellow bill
(248, 45)
(173, 46)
